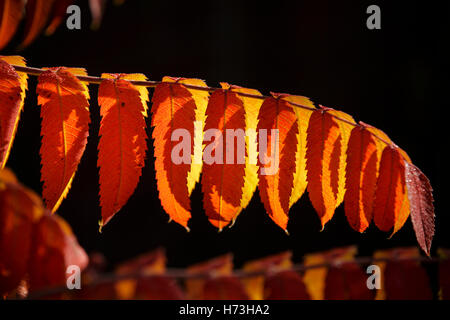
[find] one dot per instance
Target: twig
(184, 274)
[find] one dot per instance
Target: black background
(394, 78)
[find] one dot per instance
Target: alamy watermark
(73, 277)
(235, 139)
(374, 20)
(374, 280)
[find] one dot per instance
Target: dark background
(394, 78)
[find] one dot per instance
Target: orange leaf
(322, 163)
(281, 187)
(65, 128)
(224, 157)
(361, 175)
(391, 190)
(345, 122)
(12, 95)
(122, 146)
(255, 285)
(152, 263)
(175, 108)
(37, 13)
(251, 108)
(315, 276)
(11, 12)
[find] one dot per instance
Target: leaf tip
(100, 225)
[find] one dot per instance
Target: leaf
(217, 267)
(152, 263)
(224, 288)
(405, 279)
(65, 128)
(159, 287)
(421, 205)
(54, 249)
(12, 95)
(322, 163)
(282, 186)
(37, 14)
(346, 125)
(20, 208)
(122, 146)
(285, 285)
(315, 276)
(11, 12)
(391, 190)
(382, 141)
(361, 175)
(254, 285)
(230, 178)
(223, 157)
(251, 108)
(58, 14)
(300, 181)
(176, 108)
(347, 282)
(382, 257)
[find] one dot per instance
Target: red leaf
(19, 210)
(322, 163)
(421, 205)
(220, 266)
(406, 280)
(65, 128)
(347, 282)
(391, 189)
(54, 249)
(224, 288)
(285, 285)
(158, 288)
(122, 146)
(361, 175)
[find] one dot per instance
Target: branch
(183, 274)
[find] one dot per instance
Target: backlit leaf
(12, 94)
(122, 146)
(65, 128)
